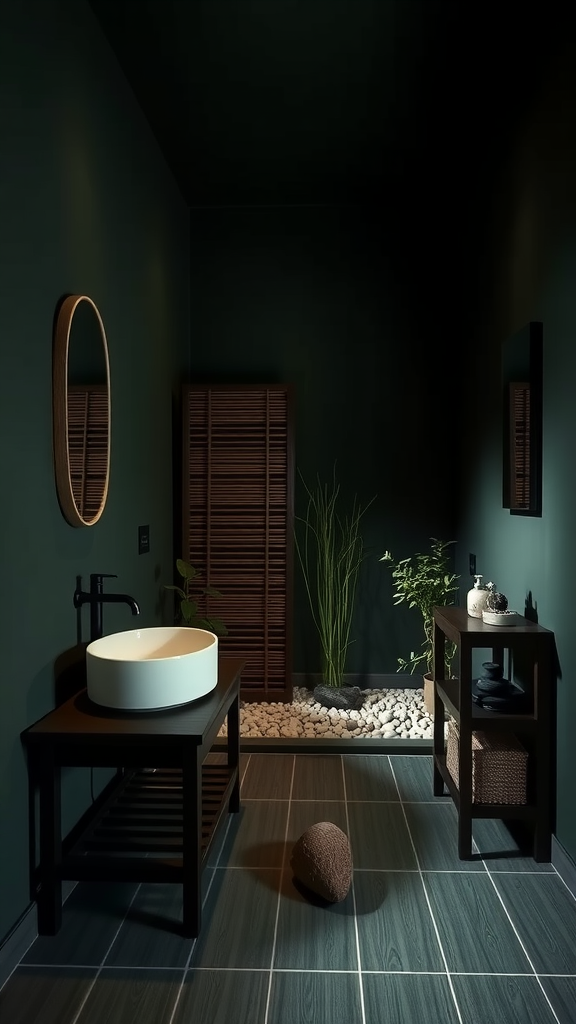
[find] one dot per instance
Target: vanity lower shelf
(144, 816)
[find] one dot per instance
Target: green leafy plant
(423, 581)
(330, 553)
(190, 615)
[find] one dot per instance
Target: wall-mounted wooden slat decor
(238, 519)
(519, 404)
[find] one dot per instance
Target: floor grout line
(354, 907)
(123, 968)
(403, 871)
(205, 899)
(281, 882)
(563, 880)
(99, 970)
(525, 951)
(427, 897)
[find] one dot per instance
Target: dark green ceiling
(329, 101)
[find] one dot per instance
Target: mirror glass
(522, 360)
(81, 410)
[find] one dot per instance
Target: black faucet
(96, 598)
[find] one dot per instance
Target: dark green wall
(525, 235)
(347, 304)
(88, 206)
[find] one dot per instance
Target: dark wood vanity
(148, 824)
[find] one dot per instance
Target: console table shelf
(534, 645)
(148, 824)
(449, 693)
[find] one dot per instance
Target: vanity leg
(234, 752)
(191, 843)
(50, 891)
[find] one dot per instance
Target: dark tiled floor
(421, 936)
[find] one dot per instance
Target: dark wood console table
(533, 726)
(148, 825)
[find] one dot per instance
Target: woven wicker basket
(498, 766)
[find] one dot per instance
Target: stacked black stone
(494, 693)
(343, 698)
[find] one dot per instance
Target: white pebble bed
(388, 714)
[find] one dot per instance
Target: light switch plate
(143, 540)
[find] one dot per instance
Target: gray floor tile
(395, 927)
(500, 850)
(434, 831)
(227, 828)
(304, 813)
(313, 934)
(408, 999)
(310, 998)
(91, 918)
(413, 776)
(369, 777)
(216, 757)
(474, 930)
(379, 837)
(268, 777)
(223, 997)
(129, 996)
(151, 935)
(318, 777)
(259, 836)
(562, 994)
(501, 1000)
(243, 764)
(544, 912)
(45, 995)
(240, 915)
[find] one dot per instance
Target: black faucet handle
(96, 580)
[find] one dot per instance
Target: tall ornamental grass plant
(330, 552)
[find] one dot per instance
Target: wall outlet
(472, 564)
(143, 540)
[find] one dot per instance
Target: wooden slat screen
(88, 446)
(238, 523)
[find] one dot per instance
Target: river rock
(340, 697)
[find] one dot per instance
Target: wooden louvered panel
(88, 446)
(238, 523)
(520, 444)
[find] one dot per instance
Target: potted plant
(423, 581)
(190, 599)
(330, 551)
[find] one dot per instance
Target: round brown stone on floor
(322, 861)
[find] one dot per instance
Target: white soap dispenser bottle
(476, 598)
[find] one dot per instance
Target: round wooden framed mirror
(81, 410)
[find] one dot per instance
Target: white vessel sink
(149, 669)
